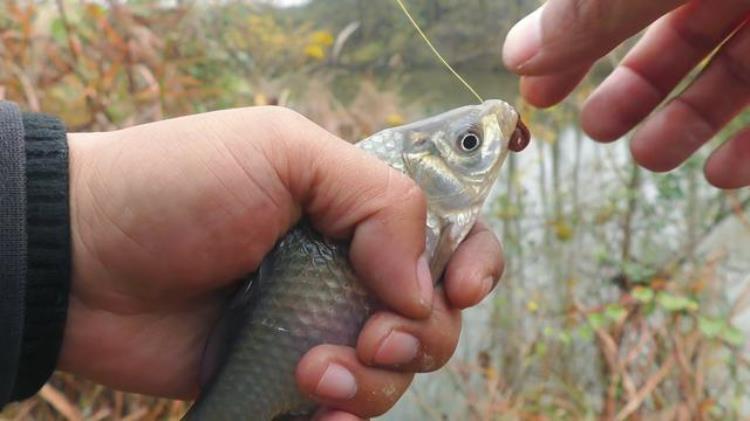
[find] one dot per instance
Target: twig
(68, 29)
(102, 414)
(742, 299)
(646, 390)
(627, 231)
(24, 409)
(136, 415)
(58, 401)
(28, 88)
(739, 209)
(642, 341)
(94, 104)
(432, 412)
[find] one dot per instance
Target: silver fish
(305, 292)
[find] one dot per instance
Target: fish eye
(469, 142)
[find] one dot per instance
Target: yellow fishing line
(434, 50)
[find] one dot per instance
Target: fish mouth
(520, 138)
(510, 122)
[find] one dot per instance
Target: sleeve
(12, 244)
(42, 280)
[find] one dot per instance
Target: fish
(305, 292)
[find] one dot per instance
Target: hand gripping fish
(305, 292)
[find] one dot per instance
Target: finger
(669, 50)
(391, 341)
(729, 166)
(565, 33)
(347, 192)
(474, 268)
(254, 168)
(327, 414)
(333, 376)
(710, 102)
(546, 91)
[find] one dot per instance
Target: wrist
(81, 147)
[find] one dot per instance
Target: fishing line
(435, 51)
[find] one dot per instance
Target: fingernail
(326, 414)
(336, 383)
(524, 41)
(424, 281)
(397, 348)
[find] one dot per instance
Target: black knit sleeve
(48, 251)
(12, 244)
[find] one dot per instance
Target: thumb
(566, 34)
(347, 193)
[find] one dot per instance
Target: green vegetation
(624, 290)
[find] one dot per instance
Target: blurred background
(625, 293)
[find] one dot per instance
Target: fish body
(305, 292)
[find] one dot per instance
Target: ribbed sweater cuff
(48, 235)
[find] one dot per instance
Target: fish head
(455, 157)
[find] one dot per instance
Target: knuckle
(432, 360)
(587, 17)
(380, 318)
(389, 393)
(280, 112)
(326, 351)
(412, 193)
(694, 37)
(439, 350)
(736, 66)
(284, 123)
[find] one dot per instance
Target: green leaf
(615, 312)
(585, 332)
(676, 303)
(602, 256)
(540, 349)
(636, 272)
(596, 320)
(669, 187)
(732, 335)
(648, 308)
(57, 30)
(710, 327)
(643, 294)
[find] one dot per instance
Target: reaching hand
(554, 47)
(166, 216)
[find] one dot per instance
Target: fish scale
(306, 293)
(313, 297)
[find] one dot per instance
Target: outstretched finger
(721, 91)
(729, 166)
(575, 33)
(546, 91)
(669, 50)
